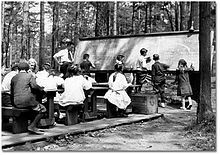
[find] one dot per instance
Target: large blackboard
(170, 46)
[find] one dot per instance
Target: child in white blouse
(116, 94)
(74, 86)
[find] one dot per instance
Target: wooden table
(90, 109)
(49, 120)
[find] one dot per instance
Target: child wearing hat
(23, 86)
(158, 77)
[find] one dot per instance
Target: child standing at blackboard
(184, 88)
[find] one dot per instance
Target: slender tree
(55, 29)
(194, 15)
(25, 30)
(115, 19)
(146, 18)
(42, 38)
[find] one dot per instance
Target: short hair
(183, 62)
(46, 66)
(14, 67)
(85, 56)
(120, 57)
(118, 67)
(23, 66)
(73, 69)
(156, 57)
(143, 50)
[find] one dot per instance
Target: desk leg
(50, 120)
(93, 113)
(94, 103)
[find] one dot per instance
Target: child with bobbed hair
(74, 86)
(183, 84)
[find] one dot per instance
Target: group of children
(26, 84)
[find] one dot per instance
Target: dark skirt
(184, 90)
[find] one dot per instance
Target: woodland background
(35, 29)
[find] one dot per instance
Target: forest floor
(175, 131)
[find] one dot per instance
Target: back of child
(74, 86)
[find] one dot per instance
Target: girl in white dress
(117, 85)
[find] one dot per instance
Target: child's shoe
(162, 105)
(183, 108)
(189, 107)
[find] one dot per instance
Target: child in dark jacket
(158, 77)
(22, 87)
(182, 79)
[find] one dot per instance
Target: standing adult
(86, 64)
(158, 78)
(142, 75)
(64, 57)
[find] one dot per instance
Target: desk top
(100, 88)
(5, 91)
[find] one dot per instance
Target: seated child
(74, 86)
(22, 86)
(116, 94)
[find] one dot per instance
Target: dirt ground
(161, 134)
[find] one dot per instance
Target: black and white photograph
(108, 76)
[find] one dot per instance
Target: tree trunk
(146, 17)
(97, 20)
(3, 30)
(25, 30)
(204, 105)
(115, 19)
(108, 20)
(77, 26)
(55, 32)
(183, 22)
(133, 18)
(177, 16)
(194, 15)
(41, 43)
(150, 16)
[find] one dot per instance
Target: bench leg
(111, 109)
(71, 116)
(20, 124)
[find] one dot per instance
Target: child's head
(118, 67)
(23, 66)
(156, 57)
(46, 66)
(73, 70)
(32, 64)
(182, 62)
(120, 57)
(14, 67)
(143, 51)
(86, 56)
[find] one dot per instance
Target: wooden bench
(72, 114)
(19, 117)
